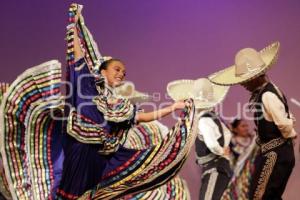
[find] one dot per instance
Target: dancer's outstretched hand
(178, 105)
(227, 152)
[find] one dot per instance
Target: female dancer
(96, 164)
(243, 154)
(241, 141)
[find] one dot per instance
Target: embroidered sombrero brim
(182, 89)
(228, 76)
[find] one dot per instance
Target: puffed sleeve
(275, 110)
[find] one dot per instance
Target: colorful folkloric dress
(4, 190)
(31, 147)
(176, 188)
(243, 157)
(85, 155)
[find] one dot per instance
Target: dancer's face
(114, 73)
(250, 85)
(242, 129)
(253, 84)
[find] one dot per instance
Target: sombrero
(205, 94)
(127, 90)
(249, 64)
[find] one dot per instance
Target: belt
(272, 144)
(201, 160)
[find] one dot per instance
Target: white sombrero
(249, 64)
(205, 94)
(127, 90)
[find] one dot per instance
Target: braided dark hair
(236, 122)
(106, 63)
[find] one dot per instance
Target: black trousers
(2, 197)
(272, 171)
(215, 178)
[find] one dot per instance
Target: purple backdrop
(160, 41)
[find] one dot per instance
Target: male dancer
(213, 136)
(274, 122)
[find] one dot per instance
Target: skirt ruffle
(239, 185)
(32, 153)
(30, 144)
(4, 188)
(156, 165)
(176, 188)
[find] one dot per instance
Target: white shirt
(209, 130)
(274, 111)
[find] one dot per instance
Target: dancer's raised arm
(74, 51)
(80, 41)
(77, 50)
